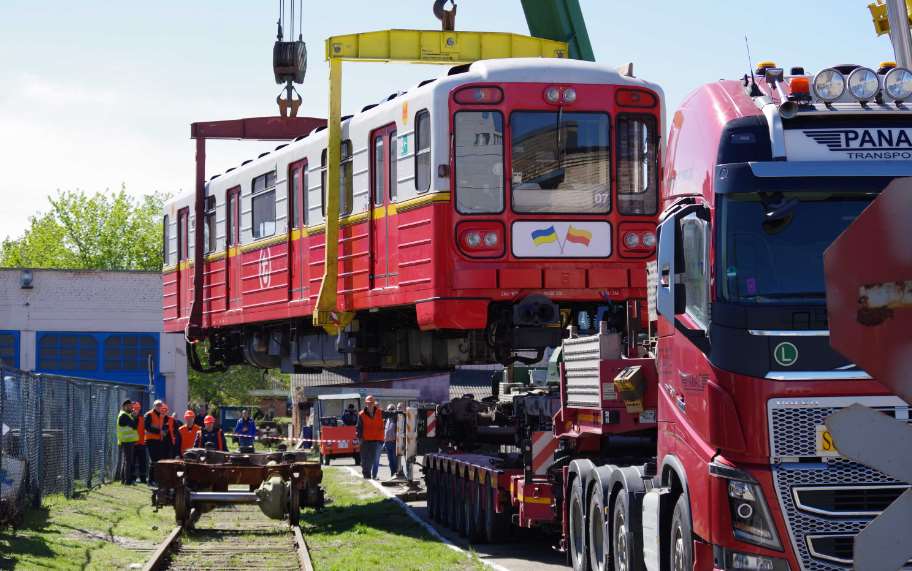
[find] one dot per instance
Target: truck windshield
(560, 162)
(773, 243)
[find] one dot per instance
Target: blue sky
(96, 94)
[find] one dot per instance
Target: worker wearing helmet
(169, 433)
(370, 433)
(127, 436)
(187, 433)
(210, 436)
(154, 421)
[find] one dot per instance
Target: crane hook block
(447, 17)
(289, 61)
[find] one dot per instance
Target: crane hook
(447, 17)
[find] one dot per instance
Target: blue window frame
(9, 349)
(130, 352)
(68, 352)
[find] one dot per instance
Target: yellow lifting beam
(879, 15)
(400, 46)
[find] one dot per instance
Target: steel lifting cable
(301, 21)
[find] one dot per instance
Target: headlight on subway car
(863, 84)
(750, 516)
(491, 240)
(829, 85)
(898, 83)
(473, 239)
(632, 240)
(649, 239)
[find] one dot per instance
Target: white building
(92, 324)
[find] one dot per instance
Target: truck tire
(431, 491)
(579, 551)
(496, 525)
(598, 555)
(626, 557)
(478, 511)
(681, 537)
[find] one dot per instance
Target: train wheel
(579, 552)
(495, 529)
(626, 557)
(681, 552)
(597, 554)
(478, 511)
(182, 506)
(294, 506)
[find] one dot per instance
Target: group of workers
(144, 439)
(376, 430)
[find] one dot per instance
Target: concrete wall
(93, 302)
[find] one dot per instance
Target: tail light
(479, 95)
(480, 239)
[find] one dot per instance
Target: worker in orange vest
(370, 433)
(169, 433)
(187, 433)
(140, 460)
(210, 434)
(154, 421)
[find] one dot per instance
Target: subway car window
(263, 205)
(479, 162)
(422, 151)
(637, 164)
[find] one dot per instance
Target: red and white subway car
(481, 213)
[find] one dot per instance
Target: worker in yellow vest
(127, 437)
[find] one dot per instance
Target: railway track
(233, 537)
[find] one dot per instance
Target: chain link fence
(58, 435)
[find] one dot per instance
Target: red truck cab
(762, 174)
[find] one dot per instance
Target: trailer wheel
(626, 556)
(598, 555)
(681, 544)
(478, 512)
(495, 523)
(579, 552)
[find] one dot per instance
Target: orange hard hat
(209, 419)
(189, 414)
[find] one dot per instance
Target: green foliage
(102, 232)
(231, 387)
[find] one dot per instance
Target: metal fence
(58, 435)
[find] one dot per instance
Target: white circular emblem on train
(265, 268)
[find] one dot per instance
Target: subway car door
(297, 241)
(380, 200)
(232, 255)
(184, 272)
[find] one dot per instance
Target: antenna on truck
(754, 90)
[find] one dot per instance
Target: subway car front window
(560, 162)
(479, 162)
(637, 173)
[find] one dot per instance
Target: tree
(231, 387)
(102, 231)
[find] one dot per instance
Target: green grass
(106, 528)
(362, 529)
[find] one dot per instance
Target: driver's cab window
(695, 277)
(479, 162)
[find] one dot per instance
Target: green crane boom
(560, 20)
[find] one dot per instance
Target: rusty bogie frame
(281, 483)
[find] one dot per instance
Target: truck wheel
(431, 500)
(495, 528)
(597, 553)
(478, 512)
(579, 552)
(626, 556)
(681, 552)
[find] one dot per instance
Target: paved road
(527, 551)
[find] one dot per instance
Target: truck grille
(825, 503)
